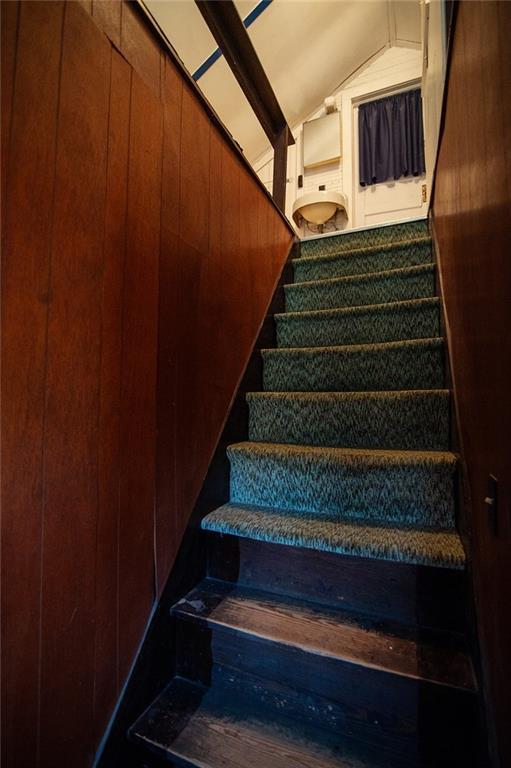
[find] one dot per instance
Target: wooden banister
(227, 28)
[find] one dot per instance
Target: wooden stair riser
(416, 596)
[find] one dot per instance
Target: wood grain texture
(321, 631)
(140, 47)
(138, 379)
(9, 30)
(471, 206)
(190, 725)
(116, 297)
(26, 231)
(166, 509)
(416, 596)
(107, 15)
(73, 353)
(106, 672)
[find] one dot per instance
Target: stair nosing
(458, 564)
(387, 306)
(432, 341)
(368, 249)
(427, 266)
(448, 457)
(355, 394)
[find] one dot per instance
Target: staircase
(330, 628)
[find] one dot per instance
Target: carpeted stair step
(357, 290)
(365, 238)
(404, 487)
(414, 319)
(196, 726)
(363, 260)
(415, 364)
(403, 544)
(406, 420)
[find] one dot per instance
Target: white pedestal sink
(318, 207)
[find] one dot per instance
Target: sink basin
(318, 207)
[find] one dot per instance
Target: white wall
(388, 71)
(433, 78)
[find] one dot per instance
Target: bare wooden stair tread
(193, 725)
(428, 656)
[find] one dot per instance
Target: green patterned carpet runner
(348, 446)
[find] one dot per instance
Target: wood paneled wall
(472, 208)
(139, 256)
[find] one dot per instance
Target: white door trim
(354, 100)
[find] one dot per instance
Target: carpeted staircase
(353, 426)
(330, 620)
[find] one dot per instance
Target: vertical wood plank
(280, 169)
(248, 245)
(25, 270)
(72, 382)
(230, 252)
(9, 31)
(193, 250)
(107, 15)
(194, 185)
(106, 681)
(140, 47)
(214, 272)
(138, 388)
(165, 534)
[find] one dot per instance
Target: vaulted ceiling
(307, 48)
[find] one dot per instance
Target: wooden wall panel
(25, 297)
(472, 201)
(107, 15)
(139, 360)
(10, 17)
(139, 257)
(191, 260)
(139, 47)
(106, 672)
(194, 176)
(210, 298)
(70, 477)
(166, 523)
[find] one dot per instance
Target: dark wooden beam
(159, 35)
(233, 40)
(280, 168)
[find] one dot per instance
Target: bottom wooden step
(192, 725)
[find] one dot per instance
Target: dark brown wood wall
(472, 216)
(139, 256)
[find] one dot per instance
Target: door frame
(350, 102)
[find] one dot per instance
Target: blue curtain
(391, 138)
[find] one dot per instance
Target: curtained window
(391, 138)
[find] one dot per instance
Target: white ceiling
(307, 48)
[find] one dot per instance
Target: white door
(388, 201)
